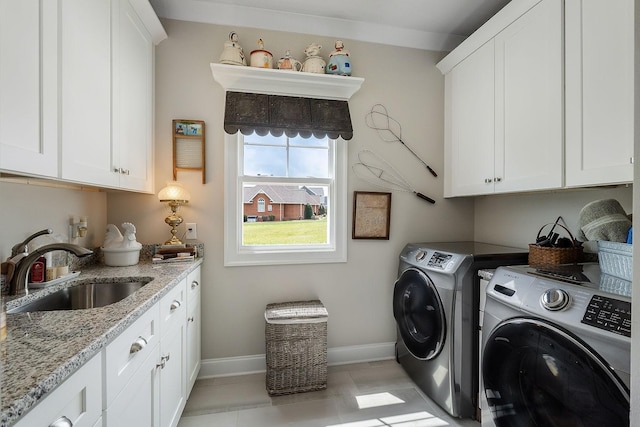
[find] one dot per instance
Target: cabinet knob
(124, 171)
(138, 345)
(498, 179)
(190, 319)
(194, 284)
(488, 180)
(163, 361)
(62, 422)
(175, 305)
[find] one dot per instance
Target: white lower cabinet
(76, 402)
(172, 369)
(194, 328)
(142, 378)
(137, 404)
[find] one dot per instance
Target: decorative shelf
(236, 78)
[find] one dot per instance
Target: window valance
(293, 116)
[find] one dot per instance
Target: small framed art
(371, 215)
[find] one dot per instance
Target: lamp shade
(174, 191)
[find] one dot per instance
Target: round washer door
(419, 314)
(538, 374)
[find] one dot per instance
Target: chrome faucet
(23, 262)
(20, 247)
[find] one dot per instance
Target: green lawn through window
(285, 232)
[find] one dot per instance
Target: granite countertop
(44, 348)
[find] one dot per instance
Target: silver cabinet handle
(175, 305)
(62, 422)
(488, 180)
(138, 345)
(190, 319)
(194, 284)
(163, 361)
(498, 179)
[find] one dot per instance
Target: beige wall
(29, 208)
(358, 293)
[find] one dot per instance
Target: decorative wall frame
(371, 215)
(188, 146)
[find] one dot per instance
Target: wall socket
(192, 231)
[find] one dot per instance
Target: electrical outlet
(192, 231)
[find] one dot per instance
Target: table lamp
(175, 195)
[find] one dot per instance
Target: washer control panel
(609, 314)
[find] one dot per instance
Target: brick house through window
(283, 202)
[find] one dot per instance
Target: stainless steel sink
(84, 295)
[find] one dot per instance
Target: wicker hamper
(296, 347)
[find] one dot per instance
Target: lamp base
(173, 241)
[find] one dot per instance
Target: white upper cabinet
(528, 96)
(469, 126)
(111, 145)
(28, 87)
(503, 104)
(562, 99)
(85, 34)
(599, 56)
(76, 90)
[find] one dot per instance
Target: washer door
(538, 374)
(419, 314)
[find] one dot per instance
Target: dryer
(557, 349)
(435, 305)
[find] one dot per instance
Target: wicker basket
(296, 347)
(545, 255)
(616, 259)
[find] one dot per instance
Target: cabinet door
(469, 147)
(529, 87)
(77, 401)
(85, 27)
(172, 375)
(599, 97)
(194, 328)
(137, 404)
(28, 87)
(132, 99)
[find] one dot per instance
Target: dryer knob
(555, 299)
(420, 255)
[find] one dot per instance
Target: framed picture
(371, 215)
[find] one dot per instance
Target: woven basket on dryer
(550, 255)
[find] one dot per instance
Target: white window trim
(236, 255)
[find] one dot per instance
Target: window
(302, 184)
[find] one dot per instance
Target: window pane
(296, 215)
(265, 160)
(309, 142)
(265, 140)
(309, 162)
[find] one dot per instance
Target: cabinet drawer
(172, 307)
(193, 285)
(128, 352)
(78, 399)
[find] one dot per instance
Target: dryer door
(419, 314)
(538, 374)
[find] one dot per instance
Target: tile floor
(388, 398)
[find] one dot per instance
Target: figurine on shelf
(289, 63)
(260, 57)
(314, 62)
(232, 52)
(339, 61)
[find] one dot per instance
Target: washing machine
(435, 305)
(557, 347)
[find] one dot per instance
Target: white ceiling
(422, 24)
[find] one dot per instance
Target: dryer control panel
(439, 260)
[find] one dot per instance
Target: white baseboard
(242, 365)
